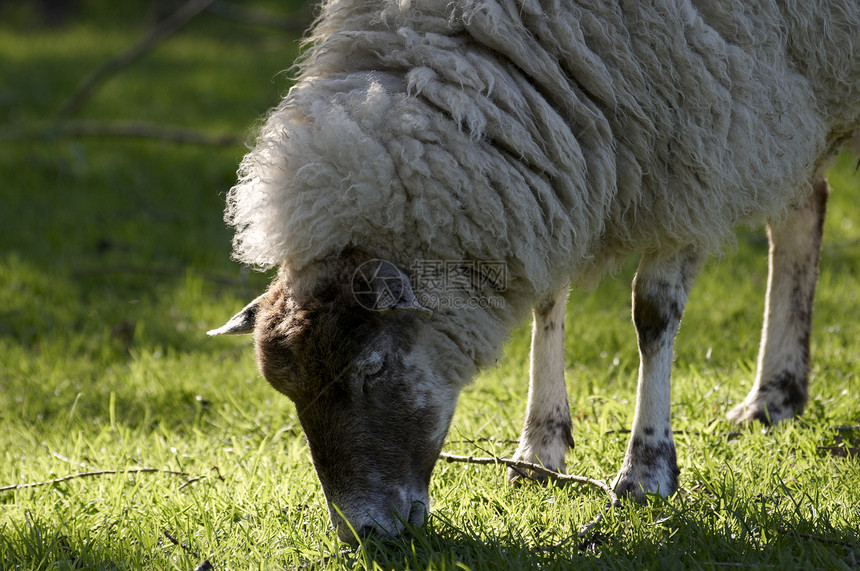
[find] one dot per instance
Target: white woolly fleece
(557, 136)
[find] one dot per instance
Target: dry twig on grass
(536, 468)
(205, 565)
(526, 467)
(91, 474)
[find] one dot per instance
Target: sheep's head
(345, 341)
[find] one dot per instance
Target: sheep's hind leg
(780, 388)
(660, 291)
(546, 432)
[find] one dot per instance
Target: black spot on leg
(820, 194)
(763, 415)
(794, 392)
(543, 436)
(802, 298)
(649, 430)
(803, 341)
(557, 430)
(550, 325)
(551, 429)
(654, 320)
(791, 387)
(545, 306)
(653, 455)
(649, 464)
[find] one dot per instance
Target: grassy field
(114, 261)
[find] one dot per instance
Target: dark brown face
(371, 400)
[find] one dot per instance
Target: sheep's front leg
(780, 388)
(660, 291)
(546, 432)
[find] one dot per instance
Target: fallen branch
(127, 129)
(205, 565)
(841, 451)
(484, 439)
(183, 546)
(525, 467)
(198, 478)
(92, 474)
(846, 428)
(159, 33)
(819, 538)
(536, 468)
(297, 22)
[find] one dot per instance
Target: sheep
(551, 139)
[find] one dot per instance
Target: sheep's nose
(346, 534)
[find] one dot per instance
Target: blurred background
(121, 128)
(122, 124)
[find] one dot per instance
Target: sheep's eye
(371, 366)
(366, 372)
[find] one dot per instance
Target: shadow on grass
(731, 532)
(33, 545)
(628, 539)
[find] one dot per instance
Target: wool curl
(556, 136)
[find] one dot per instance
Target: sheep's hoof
(744, 413)
(547, 451)
(638, 490)
(645, 471)
(517, 475)
(758, 411)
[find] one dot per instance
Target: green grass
(114, 261)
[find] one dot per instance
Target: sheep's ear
(408, 302)
(382, 286)
(242, 322)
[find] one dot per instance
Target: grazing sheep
(551, 138)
